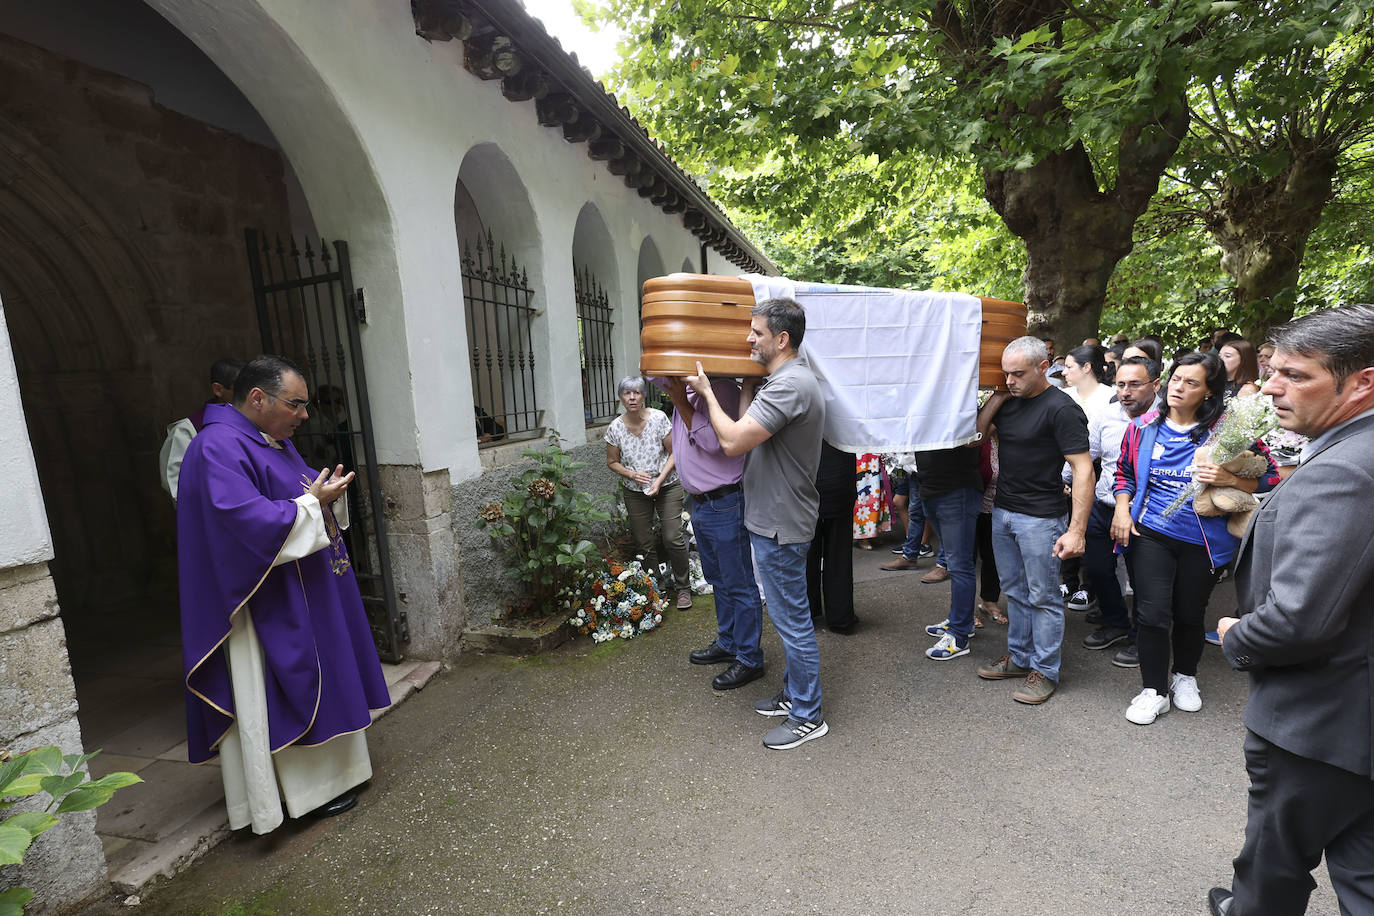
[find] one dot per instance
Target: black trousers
(990, 587)
(830, 570)
(1099, 564)
(1173, 581)
(1298, 809)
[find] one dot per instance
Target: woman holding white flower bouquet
(639, 448)
(1177, 554)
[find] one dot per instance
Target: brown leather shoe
(900, 563)
(1036, 690)
(938, 574)
(1002, 669)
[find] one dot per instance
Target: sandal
(989, 609)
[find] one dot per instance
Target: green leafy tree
(1272, 133)
(1070, 112)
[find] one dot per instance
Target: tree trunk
(1076, 233)
(1262, 227)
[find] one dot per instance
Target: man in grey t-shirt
(779, 430)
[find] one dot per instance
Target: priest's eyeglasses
(296, 404)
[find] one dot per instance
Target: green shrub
(539, 523)
(63, 778)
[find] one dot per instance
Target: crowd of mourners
(1077, 496)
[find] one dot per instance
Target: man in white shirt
(1137, 384)
(179, 434)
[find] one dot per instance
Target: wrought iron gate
(310, 313)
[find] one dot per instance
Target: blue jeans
(1024, 545)
(782, 567)
(723, 543)
(916, 527)
(955, 517)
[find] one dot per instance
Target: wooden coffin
(691, 317)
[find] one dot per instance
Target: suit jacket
(1305, 586)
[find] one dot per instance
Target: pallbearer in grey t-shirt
(779, 430)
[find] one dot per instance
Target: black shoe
(1219, 901)
(1127, 657)
(846, 628)
(737, 675)
(711, 655)
(344, 802)
(1093, 617)
(1103, 637)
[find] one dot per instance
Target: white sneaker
(1186, 695)
(1147, 706)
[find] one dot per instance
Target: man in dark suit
(1305, 589)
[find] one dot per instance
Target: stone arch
(76, 298)
(499, 236)
(256, 48)
(594, 261)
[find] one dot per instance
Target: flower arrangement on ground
(614, 600)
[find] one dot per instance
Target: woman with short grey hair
(639, 448)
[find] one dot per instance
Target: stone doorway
(123, 274)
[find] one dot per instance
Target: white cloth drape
(256, 781)
(898, 368)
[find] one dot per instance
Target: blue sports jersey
(1169, 475)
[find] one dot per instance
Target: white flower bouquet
(615, 600)
(1246, 420)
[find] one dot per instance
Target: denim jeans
(782, 567)
(955, 517)
(916, 527)
(1024, 545)
(723, 543)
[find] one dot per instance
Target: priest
(281, 670)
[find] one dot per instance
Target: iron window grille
(594, 326)
(496, 297)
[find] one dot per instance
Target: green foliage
(64, 780)
(851, 138)
(539, 522)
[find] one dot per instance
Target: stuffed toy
(1236, 503)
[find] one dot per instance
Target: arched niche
(650, 264)
(501, 268)
(597, 285)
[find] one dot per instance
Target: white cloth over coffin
(898, 368)
(256, 782)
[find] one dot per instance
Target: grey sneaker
(1103, 637)
(794, 732)
(1036, 690)
(1127, 657)
(1002, 669)
(774, 706)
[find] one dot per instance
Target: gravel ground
(612, 779)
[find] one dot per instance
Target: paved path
(613, 780)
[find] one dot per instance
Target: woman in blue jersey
(1177, 559)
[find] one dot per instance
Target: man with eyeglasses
(1137, 384)
(281, 670)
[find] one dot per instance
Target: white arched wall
(271, 51)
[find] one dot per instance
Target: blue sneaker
(940, 629)
(948, 647)
(1213, 637)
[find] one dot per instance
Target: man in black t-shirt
(1039, 427)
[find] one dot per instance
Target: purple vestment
(235, 510)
